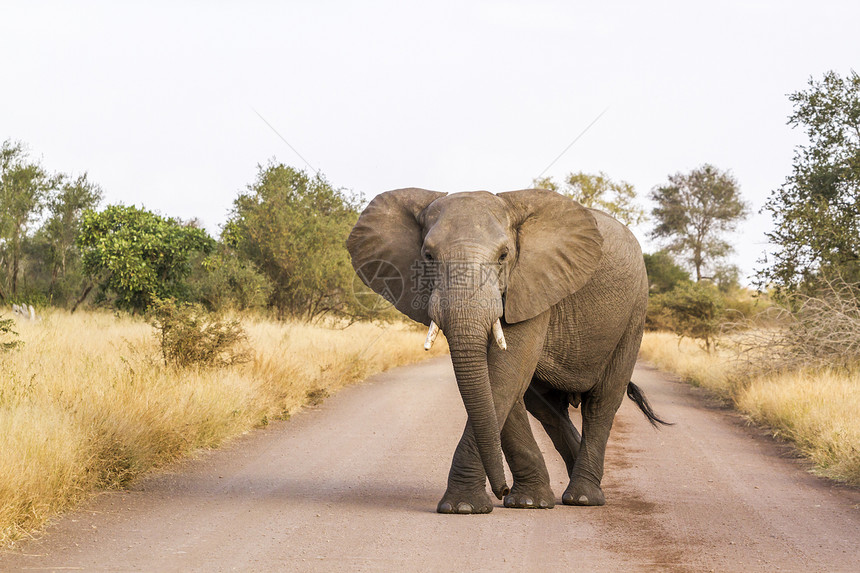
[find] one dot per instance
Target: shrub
(664, 273)
(695, 310)
(6, 331)
(812, 331)
(189, 335)
(223, 282)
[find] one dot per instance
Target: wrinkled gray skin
(570, 286)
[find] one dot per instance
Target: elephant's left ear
(558, 249)
(385, 246)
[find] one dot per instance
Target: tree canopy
(137, 255)
(40, 215)
(618, 198)
(293, 227)
(58, 234)
(694, 210)
(663, 272)
(817, 210)
(24, 185)
(283, 246)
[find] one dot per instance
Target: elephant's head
(464, 261)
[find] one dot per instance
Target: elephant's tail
(635, 394)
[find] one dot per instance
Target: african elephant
(533, 292)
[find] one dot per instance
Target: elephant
(542, 301)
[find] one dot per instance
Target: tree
(66, 208)
(817, 210)
(663, 272)
(138, 255)
(695, 310)
(600, 192)
(24, 186)
(293, 227)
(727, 277)
(223, 281)
(694, 210)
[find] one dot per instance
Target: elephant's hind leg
(550, 407)
(599, 406)
(598, 412)
(531, 488)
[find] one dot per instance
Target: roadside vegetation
(88, 401)
(814, 408)
(136, 338)
(789, 356)
(281, 251)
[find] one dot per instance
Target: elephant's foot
(460, 502)
(534, 497)
(583, 492)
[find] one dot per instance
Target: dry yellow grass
(688, 360)
(817, 410)
(86, 403)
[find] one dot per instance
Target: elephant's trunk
(469, 356)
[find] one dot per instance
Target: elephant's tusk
(499, 334)
(431, 335)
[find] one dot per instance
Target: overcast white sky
(157, 102)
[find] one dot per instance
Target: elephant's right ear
(386, 243)
(559, 246)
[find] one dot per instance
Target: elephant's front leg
(467, 481)
(510, 373)
(531, 479)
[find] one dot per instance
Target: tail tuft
(635, 394)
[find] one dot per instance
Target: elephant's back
(622, 259)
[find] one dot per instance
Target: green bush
(139, 256)
(694, 310)
(223, 282)
(664, 273)
(293, 228)
(6, 331)
(191, 336)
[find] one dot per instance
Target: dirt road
(352, 485)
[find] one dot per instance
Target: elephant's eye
(428, 256)
(503, 256)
